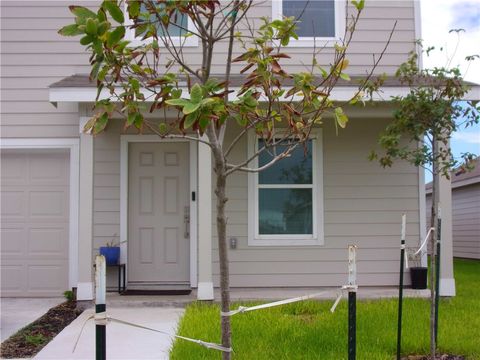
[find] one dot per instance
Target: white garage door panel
(34, 224)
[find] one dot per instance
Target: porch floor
(255, 294)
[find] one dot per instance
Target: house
(66, 193)
(465, 190)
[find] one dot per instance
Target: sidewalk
(123, 342)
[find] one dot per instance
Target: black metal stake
(400, 288)
(100, 308)
(352, 325)
(437, 275)
(100, 336)
(352, 302)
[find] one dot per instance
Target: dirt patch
(32, 338)
(438, 357)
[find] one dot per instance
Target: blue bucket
(111, 253)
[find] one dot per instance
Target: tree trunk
(433, 224)
(221, 181)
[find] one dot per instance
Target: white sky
(438, 17)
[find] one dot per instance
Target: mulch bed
(438, 357)
(32, 338)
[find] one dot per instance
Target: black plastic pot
(419, 277)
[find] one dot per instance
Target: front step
(149, 286)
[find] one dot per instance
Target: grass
(307, 330)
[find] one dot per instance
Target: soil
(438, 357)
(31, 339)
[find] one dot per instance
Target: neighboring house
(465, 211)
(65, 193)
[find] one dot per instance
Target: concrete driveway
(16, 313)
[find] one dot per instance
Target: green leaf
(203, 122)
(162, 127)
(115, 36)
(133, 9)
(91, 27)
(341, 118)
(359, 5)
(190, 108)
(131, 119)
(189, 121)
(100, 124)
(114, 10)
(177, 102)
(138, 120)
(87, 39)
(82, 12)
(70, 30)
(345, 77)
(196, 95)
(103, 27)
(242, 121)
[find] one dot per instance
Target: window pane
(285, 211)
(180, 19)
(318, 19)
(295, 169)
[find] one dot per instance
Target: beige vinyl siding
(363, 206)
(33, 56)
(106, 193)
(466, 221)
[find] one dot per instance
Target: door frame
(124, 142)
(73, 146)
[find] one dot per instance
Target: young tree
(138, 77)
(428, 115)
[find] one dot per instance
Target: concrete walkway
(123, 342)
(258, 294)
(16, 313)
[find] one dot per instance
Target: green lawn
(307, 330)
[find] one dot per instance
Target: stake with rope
(400, 286)
(352, 302)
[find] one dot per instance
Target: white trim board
(73, 146)
(124, 141)
(339, 93)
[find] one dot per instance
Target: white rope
(424, 241)
(102, 319)
(350, 288)
(244, 309)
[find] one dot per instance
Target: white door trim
(72, 145)
(124, 141)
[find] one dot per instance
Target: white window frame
(191, 41)
(340, 15)
(317, 236)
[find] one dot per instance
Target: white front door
(158, 214)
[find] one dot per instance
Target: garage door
(34, 222)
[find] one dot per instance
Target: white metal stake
(352, 265)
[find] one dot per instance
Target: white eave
(85, 94)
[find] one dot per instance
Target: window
(286, 199)
(176, 32)
(322, 21)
